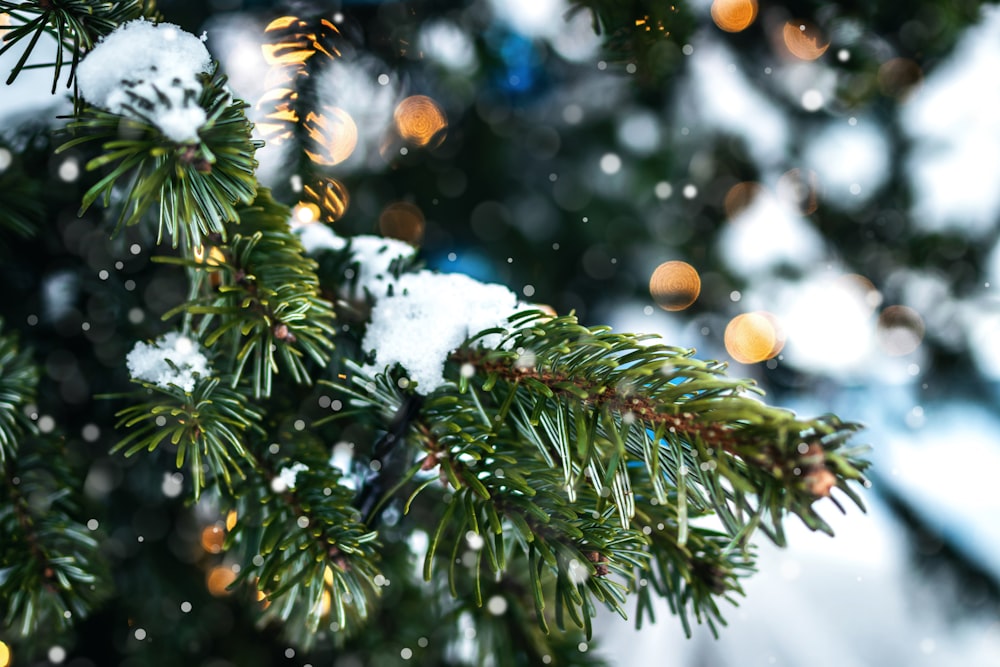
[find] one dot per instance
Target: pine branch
(50, 571)
(18, 385)
(304, 546)
(77, 25)
(207, 427)
(20, 207)
(196, 186)
(265, 309)
(571, 445)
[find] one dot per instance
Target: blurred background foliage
(829, 170)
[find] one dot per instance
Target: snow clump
(429, 315)
(149, 72)
(287, 477)
(373, 254)
(174, 359)
(420, 318)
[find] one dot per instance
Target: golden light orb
(740, 197)
(304, 213)
(212, 538)
(5, 654)
(219, 579)
(333, 136)
(419, 120)
(330, 197)
(674, 285)
(753, 337)
(804, 40)
(403, 221)
(734, 15)
(900, 330)
(278, 124)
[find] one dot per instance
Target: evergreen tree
(314, 435)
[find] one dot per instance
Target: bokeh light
(333, 136)
(900, 330)
(212, 538)
(304, 213)
(5, 656)
(800, 187)
(675, 285)
(297, 41)
(898, 77)
(753, 337)
(740, 197)
(419, 120)
(734, 15)
(804, 40)
(403, 221)
(277, 124)
(219, 579)
(329, 197)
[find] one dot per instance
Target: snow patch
(287, 477)
(429, 315)
(149, 72)
(373, 254)
(174, 359)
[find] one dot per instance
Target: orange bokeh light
(804, 40)
(212, 538)
(219, 579)
(740, 197)
(330, 197)
(419, 120)
(333, 136)
(753, 337)
(403, 221)
(305, 213)
(675, 285)
(734, 15)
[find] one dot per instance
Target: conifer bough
(537, 470)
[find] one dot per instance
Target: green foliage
(645, 33)
(304, 547)
(77, 25)
(20, 209)
(582, 456)
(207, 427)
(197, 186)
(18, 383)
(266, 312)
(571, 467)
(50, 570)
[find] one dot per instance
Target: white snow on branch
(419, 318)
(373, 254)
(149, 72)
(287, 477)
(429, 315)
(174, 359)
